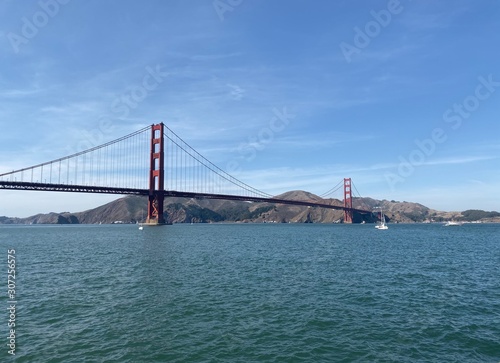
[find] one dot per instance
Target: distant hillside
(132, 209)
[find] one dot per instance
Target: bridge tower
(156, 176)
(347, 201)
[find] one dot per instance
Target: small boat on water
(452, 223)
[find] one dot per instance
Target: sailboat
(141, 225)
(381, 224)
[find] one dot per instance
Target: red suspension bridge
(152, 162)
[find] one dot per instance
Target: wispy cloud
(432, 16)
(20, 93)
(388, 53)
(460, 160)
(211, 57)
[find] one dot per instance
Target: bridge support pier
(348, 214)
(155, 209)
(156, 176)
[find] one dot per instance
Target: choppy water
(254, 293)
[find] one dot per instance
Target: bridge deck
(168, 193)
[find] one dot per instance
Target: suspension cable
(333, 190)
(78, 153)
(358, 194)
(211, 166)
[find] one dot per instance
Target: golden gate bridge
(154, 162)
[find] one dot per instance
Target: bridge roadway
(167, 193)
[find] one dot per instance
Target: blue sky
(401, 96)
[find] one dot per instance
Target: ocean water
(253, 293)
